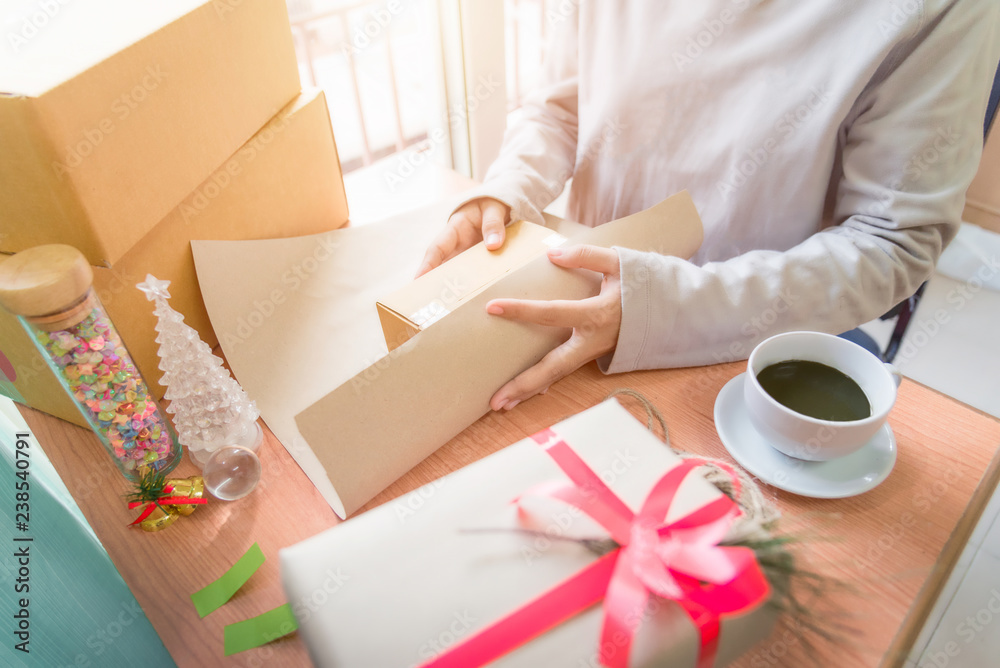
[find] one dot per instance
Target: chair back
(991, 107)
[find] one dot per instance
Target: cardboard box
(383, 421)
(412, 574)
(438, 292)
(110, 115)
(286, 181)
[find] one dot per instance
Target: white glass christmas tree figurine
(210, 408)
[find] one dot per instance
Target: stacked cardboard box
(187, 123)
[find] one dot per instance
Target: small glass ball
(231, 472)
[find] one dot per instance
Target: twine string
(758, 511)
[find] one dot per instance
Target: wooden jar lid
(44, 280)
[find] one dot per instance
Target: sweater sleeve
(908, 156)
(538, 153)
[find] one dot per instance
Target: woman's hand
(479, 219)
(595, 322)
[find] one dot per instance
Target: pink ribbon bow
(681, 561)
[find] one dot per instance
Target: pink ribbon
(680, 561)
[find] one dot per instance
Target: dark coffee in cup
(816, 390)
(799, 434)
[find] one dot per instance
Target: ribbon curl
(681, 561)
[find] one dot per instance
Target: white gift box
(406, 581)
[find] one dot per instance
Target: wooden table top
(894, 545)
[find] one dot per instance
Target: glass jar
(50, 289)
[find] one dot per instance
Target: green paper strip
(213, 596)
(260, 630)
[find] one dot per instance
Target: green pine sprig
(148, 488)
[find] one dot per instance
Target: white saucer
(850, 475)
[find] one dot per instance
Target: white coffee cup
(809, 438)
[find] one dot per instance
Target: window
(438, 76)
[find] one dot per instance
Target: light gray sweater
(828, 145)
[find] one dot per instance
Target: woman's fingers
(558, 364)
(555, 313)
(594, 258)
(494, 215)
(439, 249)
(458, 234)
(595, 322)
(465, 228)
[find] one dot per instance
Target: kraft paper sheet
(298, 324)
